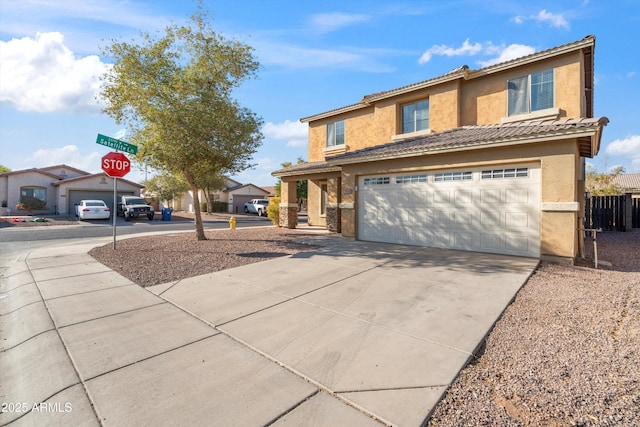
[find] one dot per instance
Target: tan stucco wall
(477, 101)
(557, 160)
(485, 98)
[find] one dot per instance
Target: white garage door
(493, 209)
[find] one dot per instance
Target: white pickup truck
(258, 206)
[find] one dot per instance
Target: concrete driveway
(353, 333)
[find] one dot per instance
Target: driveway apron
(384, 328)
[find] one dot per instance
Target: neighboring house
(488, 160)
(235, 195)
(629, 183)
(61, 187)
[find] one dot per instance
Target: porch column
(288, 204)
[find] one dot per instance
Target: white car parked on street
(92, 209)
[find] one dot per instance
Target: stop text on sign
(119, 165)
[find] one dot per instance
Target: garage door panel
(492, 214)
(442, 197)
(517, 243)
(491, 242)
(491, 196)
(463, 197)
(517, 220)
(463, 240)
(517, 195)
(491, 219)
(462, 218)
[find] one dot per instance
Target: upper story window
(335, 134)
(530, 93)
(415, 116)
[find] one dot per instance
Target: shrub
(30, 203)
(273, 211)
(219, 207)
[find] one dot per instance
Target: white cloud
(68, 155)
(552, 19)
(502, 53)
(327, 22)
(444, 50)
(507, 53)
(628, 147)
(295, 133)
(41, 74)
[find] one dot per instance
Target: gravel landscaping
(566, 352)
(166, 258)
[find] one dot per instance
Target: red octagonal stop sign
(116, 165)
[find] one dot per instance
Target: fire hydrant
(232, 223)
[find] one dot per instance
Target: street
(101, 228)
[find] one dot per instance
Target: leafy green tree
(4, 169)
(174, 93)
(602, 184)
(166, 186)
(209, 182)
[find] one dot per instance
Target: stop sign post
(115, 165)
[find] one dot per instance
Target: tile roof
(309, 167)
(464, 137)
(628, 181)
(476, 136)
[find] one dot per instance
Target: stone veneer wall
(333, 219)
(288, 215)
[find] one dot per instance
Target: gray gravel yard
(566, 352)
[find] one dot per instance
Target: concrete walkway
(354, 333)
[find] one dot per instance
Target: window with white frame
(505, 173)
(335, 134)
(382, 180)
(453, 176)
(415, 116)
(530, 93)
(408, 179)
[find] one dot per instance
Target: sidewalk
(354, 333)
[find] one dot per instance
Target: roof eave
(594, 134)
(587, 42)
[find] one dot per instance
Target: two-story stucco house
(488, 160)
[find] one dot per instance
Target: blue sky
(315, 56)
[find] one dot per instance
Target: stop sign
(116, 165)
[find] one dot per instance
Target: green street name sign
(116, 144)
